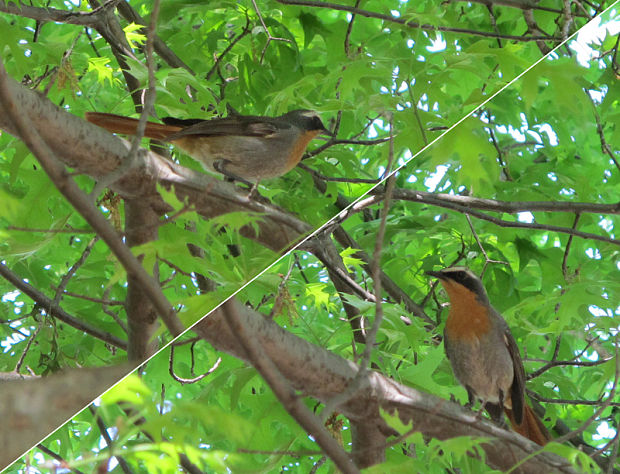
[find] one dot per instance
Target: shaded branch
(91, 19)
(510, 207)
(521, 4)
(411, 23)
(446, 202)
(56, 311)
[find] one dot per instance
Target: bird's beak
(436, 275)
(327, 133)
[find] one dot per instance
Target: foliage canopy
(510, 170)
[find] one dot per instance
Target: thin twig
(416, 112)
(294, 454)
(239, 37)
(605, 147)
(603, 407)
(338, 180)
(353, 285)
(57, 311)
(102, 301)
(568, 246)
(63, 65)
(487, 260)
(68, 230)
(500, 154)
(615, 443)
(521, 4)
(184, 381)
(282, 294)
(562, 363)
(345, 141)
(509, 207)
(31, 339)
(58, 458)
(105, 434)
(571, 401)
(375, 267)
(270, 38)
(60, 289)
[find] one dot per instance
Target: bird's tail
(128, 126)
(531, 427)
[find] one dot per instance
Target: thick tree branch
(141, 227)
(93, 151)
(31, 409)
(322, 375)
(9, 98)
(254, 352)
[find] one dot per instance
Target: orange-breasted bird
(484, 354)
(242, 147)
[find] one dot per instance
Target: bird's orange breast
(468, 318)
(299, 148)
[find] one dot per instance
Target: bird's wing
(181, 122)
(517, 390)
(245, 126)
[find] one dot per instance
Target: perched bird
(244, 147)
(484, 354)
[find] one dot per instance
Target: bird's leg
(220, 167)
(496, 411)
(253, 191)
(470, 398)
(500, 419)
